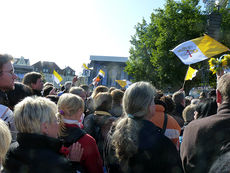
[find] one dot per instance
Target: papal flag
(191, 73)
(198, 49)
(56, 77)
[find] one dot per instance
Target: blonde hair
(5, 140)
(69, 104)
(31, 112)
(136, 101)
(99, 89)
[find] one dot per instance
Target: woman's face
(51, 129)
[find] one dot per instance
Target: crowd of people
(78, 129)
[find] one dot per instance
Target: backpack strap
(165, 123)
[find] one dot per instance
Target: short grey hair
(137, 99)
(224, 87)
(31, 112)
(76, 90)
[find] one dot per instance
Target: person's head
(170, 105)
(102, 101)
(87, 89)
(223, 89)
(46, 90)
(205, 108)
(18, 94)
(99, 89)
(179, 98)
(188, 113)
(36, 115)
(78, 91)
(70, 106)
(67, 86)
(33, 80)
(117, 96)
(7, 75)
(138, 100)
(111, 89)
(5, 140)
(48, 84)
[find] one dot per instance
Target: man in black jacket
(207, 138)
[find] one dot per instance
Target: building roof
(47, 64)
(108, 58)
(66, 68)
(21, 61)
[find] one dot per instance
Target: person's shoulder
(87, 139)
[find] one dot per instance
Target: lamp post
(214, 22)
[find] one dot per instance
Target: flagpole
(185, 77)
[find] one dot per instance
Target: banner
(198, 49)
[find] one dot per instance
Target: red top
(91, 159)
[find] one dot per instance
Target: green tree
(150, 57)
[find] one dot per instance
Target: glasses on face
(10, 72)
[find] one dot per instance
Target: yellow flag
(57, 78)
(85, 66)
(191, 73)
(122, 83)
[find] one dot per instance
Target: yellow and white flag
(56, 77)
(85, 66)
(191, 73)
(198, 49)
(101, 73)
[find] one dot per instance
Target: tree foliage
(150, 57)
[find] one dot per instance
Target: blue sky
(69, 31)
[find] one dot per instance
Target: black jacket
(34, 153)
(205, 139)
(156, 153)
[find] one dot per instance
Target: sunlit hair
(188, 113)
(178, 97)
(223, 86)
(5, 139)
(136, 101)
(117, 96)
(76, 90)
(69, 104)
(102, 101)
(31, 112)
(99, 89)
